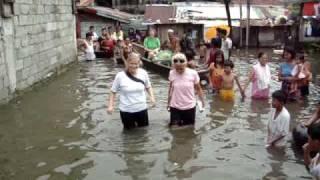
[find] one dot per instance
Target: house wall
(37, 38)
(87, 20)
(179, 29)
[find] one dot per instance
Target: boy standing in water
(228, 78)
(279, 121)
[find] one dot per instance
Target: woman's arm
(239, 86)
(200, 93)
(250, 79)
(306, 154)
(151, 95)
(111, 102)
(169, 95)
(209, 76)
(313, 119)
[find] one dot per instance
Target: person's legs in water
(188, 117)
(142, 118)
(128, 120)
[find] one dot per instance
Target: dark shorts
(136, 119)
(182, 117)
(304, 90)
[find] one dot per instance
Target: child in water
(301, 73)
(216, 70)
(228, 78)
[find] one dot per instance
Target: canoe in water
(164, 67)
(300, 135)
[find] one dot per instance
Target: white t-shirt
(226, 45)
(95, 36)
(132, 94)
(279, 126)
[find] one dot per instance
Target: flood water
(61, 130)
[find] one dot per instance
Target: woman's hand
(153, 102)
(110, 109)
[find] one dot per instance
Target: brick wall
(36, 40)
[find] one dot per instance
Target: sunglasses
(179, 60)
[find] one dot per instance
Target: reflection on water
(61, 131)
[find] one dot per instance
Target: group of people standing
(107, 43)
(133, 84)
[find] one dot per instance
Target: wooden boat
(163, 67)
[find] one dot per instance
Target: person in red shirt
(107, 45)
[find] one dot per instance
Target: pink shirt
(183, 91)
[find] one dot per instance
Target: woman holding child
(285, 75)
(184, 85)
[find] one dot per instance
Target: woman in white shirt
(131, 84)
(89, 47)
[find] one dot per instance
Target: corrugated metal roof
(217, 11)
(211, 14)
(261, 2)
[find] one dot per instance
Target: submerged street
(61, 130)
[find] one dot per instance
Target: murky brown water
(61, 131)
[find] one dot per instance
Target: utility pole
(248, 25)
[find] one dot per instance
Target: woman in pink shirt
(184, 85)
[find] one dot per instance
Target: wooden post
(248, 25)
(241, 41)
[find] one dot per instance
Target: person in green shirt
(151, 44)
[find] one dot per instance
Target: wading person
(260, 76)
(132, 85)
(313, 145)
(226, 44)
(151, 44)
(184, 85)
(228, 79)
(302, 71)
(285, 75)
(107, 45)
(94, 34)
(279, 121)
(173, 42)
(89, 47)
(216, 70)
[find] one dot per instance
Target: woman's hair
(260, 54)
(219, 53)
(280, 96)
(301, 57)
(314, 131)
(228, 63)
(179, 56)
(291, 52)
(133, 55)
(152, 30)
(89, 34)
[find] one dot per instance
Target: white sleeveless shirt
(90, 51)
